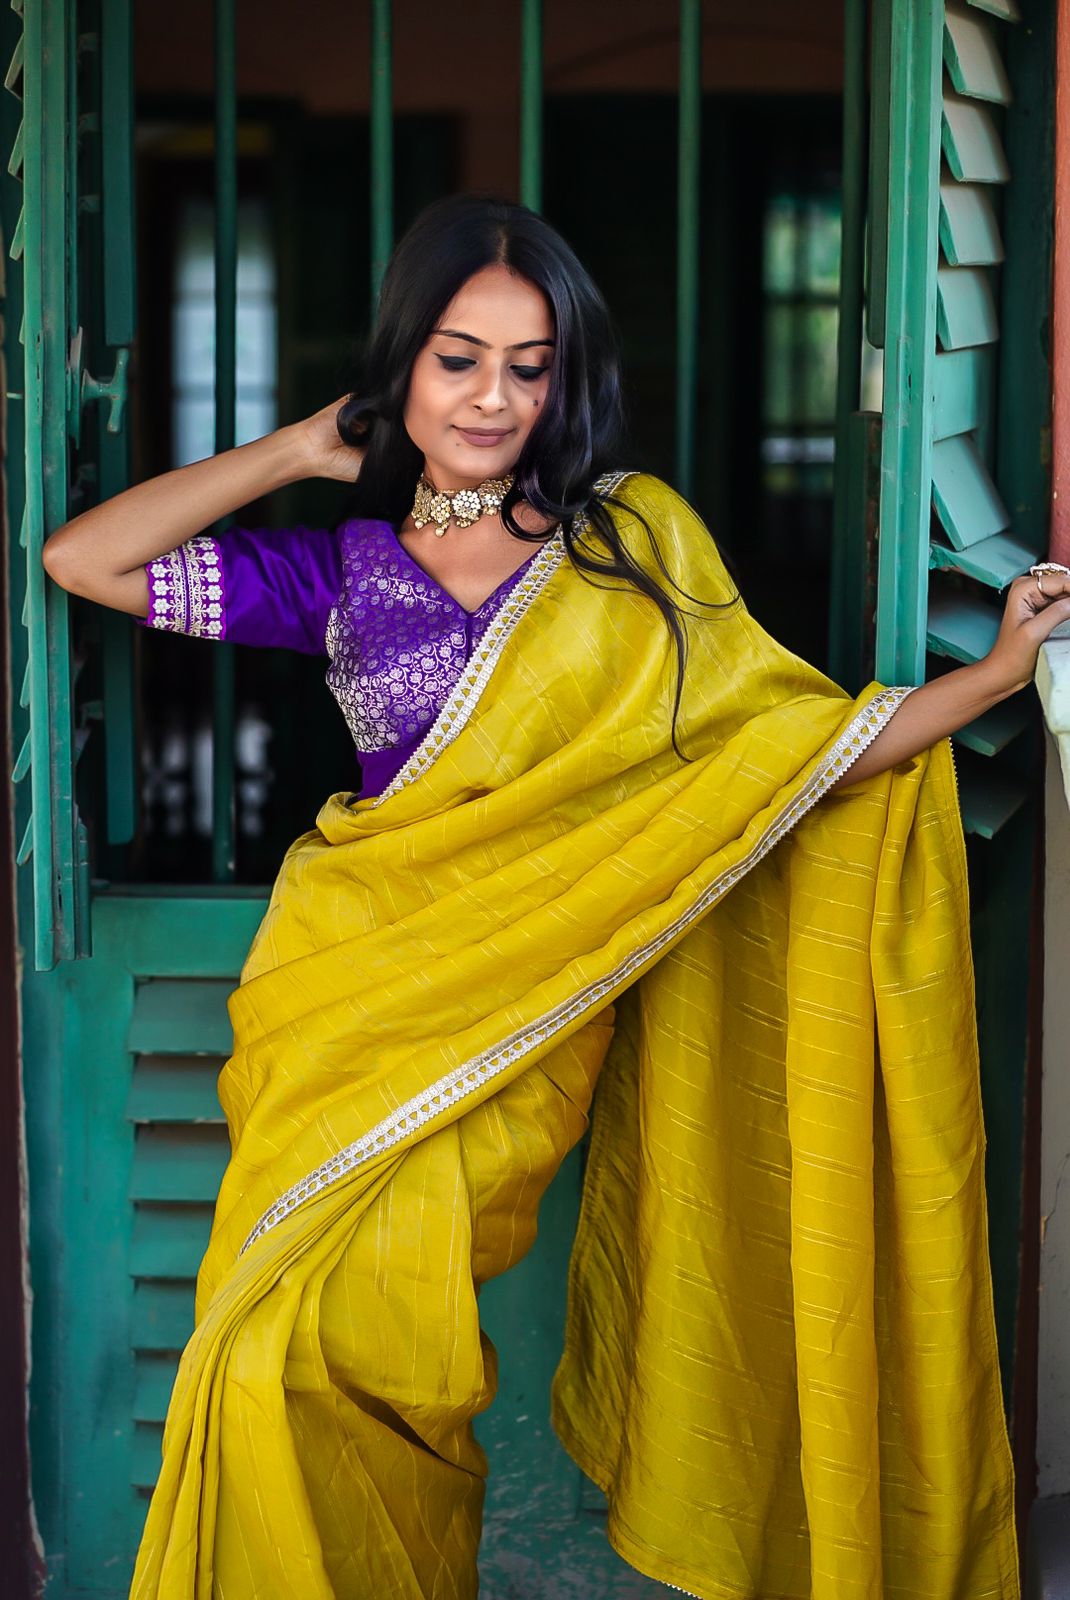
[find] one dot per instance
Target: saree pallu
(780, 1359)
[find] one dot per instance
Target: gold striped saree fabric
(780, 1360)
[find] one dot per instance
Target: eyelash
(458, 364)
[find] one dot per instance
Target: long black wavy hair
(580, 432)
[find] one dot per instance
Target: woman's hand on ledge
(1028, 618)
(944, 705)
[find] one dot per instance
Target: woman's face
(480, 381)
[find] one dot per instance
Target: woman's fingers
(1027, 597)
(1046, 618)
(1032, 612)
(1046, 581)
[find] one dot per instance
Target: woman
(780, 1361)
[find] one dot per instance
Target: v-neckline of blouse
(510, 578)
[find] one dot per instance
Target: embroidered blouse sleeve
(257, 586)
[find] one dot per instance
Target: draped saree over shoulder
(780, 1360)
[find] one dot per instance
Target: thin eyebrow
(454, 333)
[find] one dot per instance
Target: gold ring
(1050, 566)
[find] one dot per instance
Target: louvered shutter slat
(169, 1240)
(174, 1089)
(995, 562)
(972, 145)
(967, 501)
(181, 1016)
(1007, 9)
(969, 229)
(989, 800)
(962, 388)
(971, 53)
(162, 1315)
(146, 1449)
(995, 730)
(961, 627)
(180, 1035)
(155, 1378)
(965, 308)
(174, 1162)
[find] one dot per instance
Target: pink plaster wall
(1060, 465)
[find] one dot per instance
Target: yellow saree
(780, 1360)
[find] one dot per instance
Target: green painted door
(124, 984)
(959, 290)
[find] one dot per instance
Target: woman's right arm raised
(102, 553)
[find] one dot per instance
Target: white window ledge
(1053, 686)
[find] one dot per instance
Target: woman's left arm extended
(946, 704)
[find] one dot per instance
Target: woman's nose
(490, 389)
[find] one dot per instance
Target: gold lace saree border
(467, 691)
(465, 1080)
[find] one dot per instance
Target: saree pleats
(799, 1386)
(780, 1360)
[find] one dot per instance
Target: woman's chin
(475, 462)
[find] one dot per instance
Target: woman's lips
(485, 441)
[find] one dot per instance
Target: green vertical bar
(880, 91)
(46, 171)
(226, 305)
(846, 641)
(112, 267)
(117, 154)
(74, 138)
(382, 144)
(689, 130)
(1023, 420)
(531, 104)
(914, 114)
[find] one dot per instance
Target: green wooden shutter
(54, 838)
(126, 1144)
(178, 1040)
(949, 542)
(959, 294)
(108, 231)
(72, 68)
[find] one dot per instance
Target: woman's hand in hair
(328, 456)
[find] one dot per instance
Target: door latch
(82, 388)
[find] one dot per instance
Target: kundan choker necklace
(464, 507)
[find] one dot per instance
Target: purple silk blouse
(397, 641)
